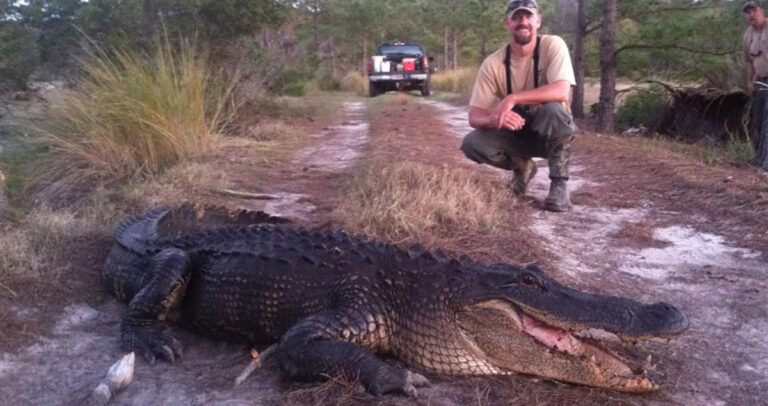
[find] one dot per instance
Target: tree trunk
(446, 49)
(455, 64)
(483, 37)
(315, 23)
(483, 47)
(607, 68)
(365, 52)
(577, 103)
(333, 58)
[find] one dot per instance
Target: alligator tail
(140, 231)
(163, 223)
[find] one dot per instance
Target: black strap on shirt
(508, 57)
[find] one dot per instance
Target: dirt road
(651, 237)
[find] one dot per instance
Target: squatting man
(518, 112)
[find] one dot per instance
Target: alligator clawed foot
(412, 381)
(152, 341)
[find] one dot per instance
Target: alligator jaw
(515, 342)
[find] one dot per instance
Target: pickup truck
(399, 66)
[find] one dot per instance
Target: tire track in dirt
(335, 149)
(723, 358)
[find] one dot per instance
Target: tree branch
(599, 23)
(674, 46)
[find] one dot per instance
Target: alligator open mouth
(515, 341)
(605, 363)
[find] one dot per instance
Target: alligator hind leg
(313, 349)
(143, 328)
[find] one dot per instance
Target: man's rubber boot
(558, 199)
(524, 169)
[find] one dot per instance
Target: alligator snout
(659, 320)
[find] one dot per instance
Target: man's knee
(478, 146)
(470, 146)
(554, 110)
(554, 121)
(468, 141)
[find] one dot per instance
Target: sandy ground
(643, 248)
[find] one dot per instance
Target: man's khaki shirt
(755, 44)
(491, 83)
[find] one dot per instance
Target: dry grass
(458, 81)
(134, 114)
(414, 201)
(29, 250)
(735, 151)
(188, 181)
(354, 82)
(277, 131)
(401, 98)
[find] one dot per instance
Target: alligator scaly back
(141, 236)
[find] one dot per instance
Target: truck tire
(425, 89)
(373, 90)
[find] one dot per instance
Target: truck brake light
(369, 65)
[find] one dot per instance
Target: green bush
(19, 54)
(325, 80)
(289, 82)
(646, 108)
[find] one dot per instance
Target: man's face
(755, 16)
(523, 25)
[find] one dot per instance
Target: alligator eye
(530, 280)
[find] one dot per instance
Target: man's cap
(750, 4)
(528, 5)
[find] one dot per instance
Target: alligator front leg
(142, 328)
(313, 349)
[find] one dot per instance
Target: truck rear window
(413, 50)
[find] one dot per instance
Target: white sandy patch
(74, 315)
(294, 205)
(688, 249)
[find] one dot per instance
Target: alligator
(326, 303)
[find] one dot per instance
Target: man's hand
(513, 121)
(502, 116)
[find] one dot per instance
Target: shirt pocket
(758, 46)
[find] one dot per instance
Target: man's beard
(522, 39)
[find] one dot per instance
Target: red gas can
(409, 64)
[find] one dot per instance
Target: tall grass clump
(136, 113)
(458, 81)
(400, 201)
(354, 82)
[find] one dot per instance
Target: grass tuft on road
(404, 201)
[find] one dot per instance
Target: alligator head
(523, 321)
